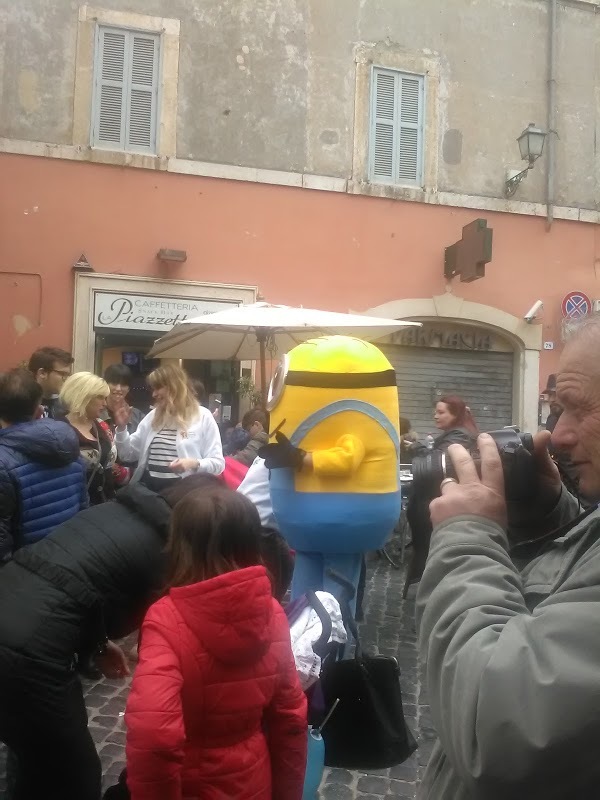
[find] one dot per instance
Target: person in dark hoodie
(42, 482)
(87, 583)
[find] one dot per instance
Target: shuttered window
(396, 130)
(126, 81)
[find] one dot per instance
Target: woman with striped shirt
(179, 437)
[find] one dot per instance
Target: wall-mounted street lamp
(531, 146)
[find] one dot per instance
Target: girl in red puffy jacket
(216, 711)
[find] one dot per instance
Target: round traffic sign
(576, 305)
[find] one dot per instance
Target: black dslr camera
(516, 453)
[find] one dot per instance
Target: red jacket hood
(229, 614)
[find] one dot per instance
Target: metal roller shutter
(424, 374)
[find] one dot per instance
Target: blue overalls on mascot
(334, 472)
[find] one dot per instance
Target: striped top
(163, 451)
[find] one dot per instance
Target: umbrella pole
(263, 367)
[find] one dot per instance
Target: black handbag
(367, 729)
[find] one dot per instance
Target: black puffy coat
(94, 576)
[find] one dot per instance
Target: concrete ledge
(206, 169)
(130, 19)
(326, 183)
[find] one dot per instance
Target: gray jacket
(250, 452)
(512, 663)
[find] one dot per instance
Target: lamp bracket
(511, 185)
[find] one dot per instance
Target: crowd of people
(112, 521)
(77, 461)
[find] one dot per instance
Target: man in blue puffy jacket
(42, 482)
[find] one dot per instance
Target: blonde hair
(80, 389)
(182, 405)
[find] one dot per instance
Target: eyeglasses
(64, 373)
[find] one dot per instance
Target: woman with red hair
(453, 417)
(455, 421)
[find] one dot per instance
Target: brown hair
(212, 531)
(198, 389)
(182, 406)
(20, 396)
(46, 357)
(255, 415)
(461, 413)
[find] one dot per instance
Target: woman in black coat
(89, 581)
(456, 424)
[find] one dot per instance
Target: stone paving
(388, 629)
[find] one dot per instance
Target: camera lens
(515, 450)
(429, 471)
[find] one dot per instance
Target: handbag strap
(347, 595)
(320, 646)
(98, 463)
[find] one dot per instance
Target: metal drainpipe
(551, 143)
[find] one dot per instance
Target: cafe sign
(157, 313)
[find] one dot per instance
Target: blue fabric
(49, 497)
(42, 482)
(237, 441)
(332, 522)
(310, 572)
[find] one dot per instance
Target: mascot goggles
(325, 380)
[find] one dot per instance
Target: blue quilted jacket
(42, 482)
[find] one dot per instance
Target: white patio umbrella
(248, 332)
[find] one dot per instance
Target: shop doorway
(219, 378)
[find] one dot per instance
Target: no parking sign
(576, 305)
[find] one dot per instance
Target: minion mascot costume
(334, 472)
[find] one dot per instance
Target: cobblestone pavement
(388, 629)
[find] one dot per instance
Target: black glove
(282, 454)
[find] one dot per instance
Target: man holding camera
(513, 659)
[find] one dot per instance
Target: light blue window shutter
(396, 135)
(108, 120)
(383, 129)
(142, 98)
(410, 124)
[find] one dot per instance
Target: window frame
(168, 107)
(392, 57)
(129, 33)
(398, 74)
